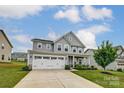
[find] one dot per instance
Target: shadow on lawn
(105, 72)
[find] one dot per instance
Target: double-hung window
(59, 46)
(66, 47)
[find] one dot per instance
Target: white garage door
(48, 62)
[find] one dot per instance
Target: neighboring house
(47, 54)
(19, 56)
(118, 63)
(5, 48)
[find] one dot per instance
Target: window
(80, 61)
(46, 57)
(53, 58)
(80, 50)
(38, 57)
(30, 56)
(66, 47)
(2, 57)
(74, 49)
(61, 58)
(2, 46)
(8, 58)
(59, 47)
(39, 45)
(48, 46)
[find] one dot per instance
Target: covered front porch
(72, 60)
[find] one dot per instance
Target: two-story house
(5, 48)
(66, 50)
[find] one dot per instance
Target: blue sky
(92, 24)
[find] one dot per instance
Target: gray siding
(72, 43)
(73, 40)
(44, 48)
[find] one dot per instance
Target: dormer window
(2, 46)
(39, 45)
(59, 47)
(66, 47)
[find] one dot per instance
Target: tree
(105, 54)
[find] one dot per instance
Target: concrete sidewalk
(54, 79)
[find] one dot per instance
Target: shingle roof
(42, 40)
(6, 37)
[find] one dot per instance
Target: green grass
(11, 73)
(116, 80)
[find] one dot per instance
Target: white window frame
(75, 49)
(48, 45)
(65, 46)
(80, 49)
(39, 44)
(58, 47)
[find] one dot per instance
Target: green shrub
(78, 67)
(67, 67)
(85, 67)
(26, 68)
(93, 68)
(119, 70)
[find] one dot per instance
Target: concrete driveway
(54, 79)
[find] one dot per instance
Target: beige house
(5, 48)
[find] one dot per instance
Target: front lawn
(113, 80)
(11, 74)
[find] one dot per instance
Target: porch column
(73, 61)
(88, 60)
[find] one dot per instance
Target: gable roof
(68, 40)
(6, 37)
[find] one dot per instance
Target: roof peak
(2, 31)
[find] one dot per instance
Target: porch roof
(54, 53)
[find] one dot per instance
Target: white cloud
(20, 11)
(52, 36)
(92, 13)
(88, 35)
(87, 38)
(70, 13)
(22, 38)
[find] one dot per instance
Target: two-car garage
(48, 62)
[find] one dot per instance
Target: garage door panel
(49, 62)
